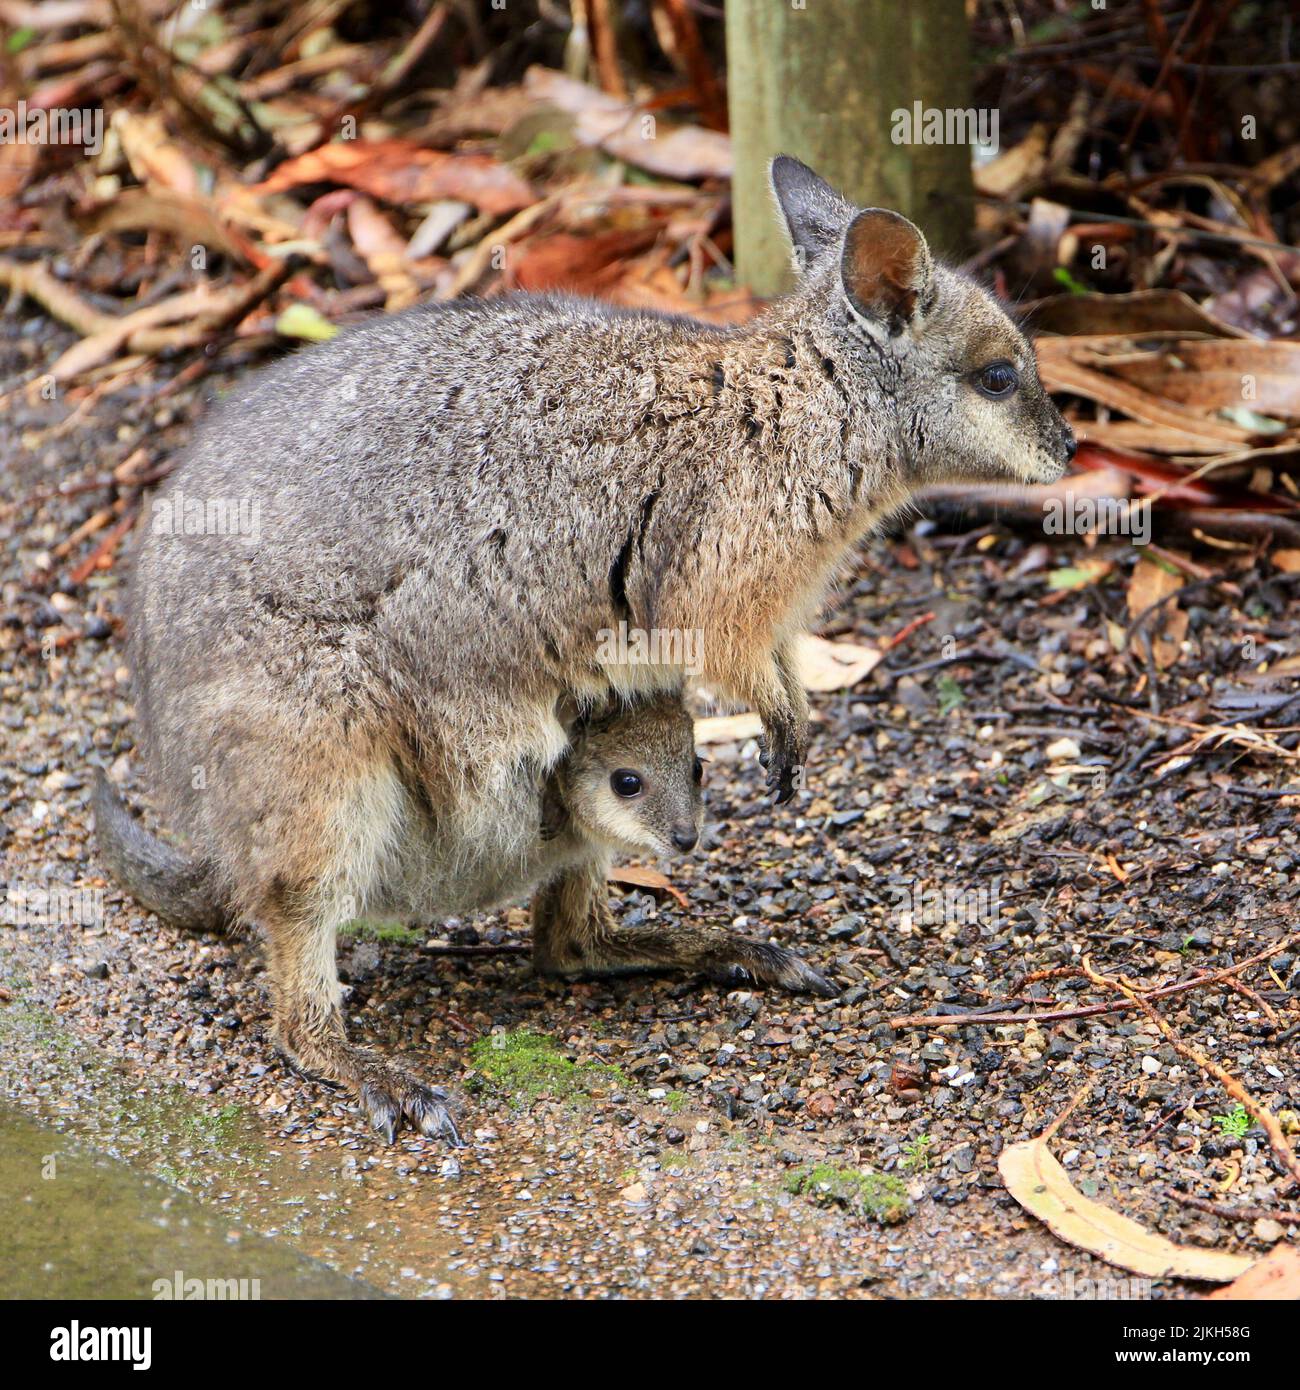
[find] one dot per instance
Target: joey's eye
(698, 771)
(625, 782)
(997, 380)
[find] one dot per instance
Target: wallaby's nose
(1071, 444)
(684, 837)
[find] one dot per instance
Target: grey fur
(455, 503)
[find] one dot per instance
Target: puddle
(145, 1168)
(79, 1225)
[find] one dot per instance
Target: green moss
(675, 1158)
(677, 1101)
(215, 1128)
(880, 1196)
(382, 931)
(522, 1066)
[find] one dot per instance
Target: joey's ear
(886, 268)
(815, 215)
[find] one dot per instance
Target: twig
(905, 632)
(1261, 1114)
(1075, 1101)
(206, 312)
(101, 556)
(507, 949)
(1087, 1010)
(37, 283)
(1257, 1000)
(1289, 1218)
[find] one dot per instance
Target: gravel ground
(946, 771)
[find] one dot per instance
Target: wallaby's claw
(782, 762)
(389, 1096)
(759, 962)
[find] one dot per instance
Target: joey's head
(632, 780)
(951, 382)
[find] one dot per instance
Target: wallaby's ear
(815, 215)
(887, 271)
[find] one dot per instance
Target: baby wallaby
(630, 783)
(450, 511)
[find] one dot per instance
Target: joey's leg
(308, 1022)
(574, 933)
(783, 708)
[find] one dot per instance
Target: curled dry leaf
(635, 876)
(384, 251)
(1039, 1183)
(154, 158)
(1150, 583)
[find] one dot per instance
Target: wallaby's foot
(762, 963)
(730, 960)
(391, 1094)
(388, 1093)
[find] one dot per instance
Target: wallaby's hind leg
(313, 837)
(574, 933)
(308, 1023)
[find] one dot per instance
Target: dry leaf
(1022, 164)
(1039, 1183)
(400, 172)
(628, 133)
(827, 665)
(1149, 584)
(154, 159)
(634, 876)
(1143, 311)
(727, 728)
(1221, 375)
(1275, 1277)
(823, 666)
(384, 251)
(1288, 561)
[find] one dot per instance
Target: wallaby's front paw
(783, 759)
(390, 1095)
(759, 962)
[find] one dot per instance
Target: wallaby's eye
(698, 772)
(997, 380)
(625, 782)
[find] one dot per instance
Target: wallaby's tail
(179, 889)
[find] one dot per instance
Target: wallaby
(629, 783)
(442, 515)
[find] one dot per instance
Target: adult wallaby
(443, 514)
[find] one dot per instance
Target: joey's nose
(1070, 445)
(684, 837)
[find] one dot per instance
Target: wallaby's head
(930, 347)
(632, 780)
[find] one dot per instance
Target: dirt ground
(1000, 796)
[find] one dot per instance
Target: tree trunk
(822, 80)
